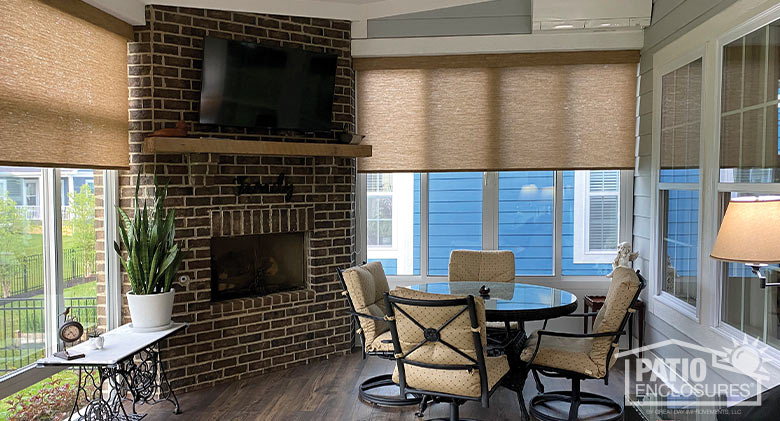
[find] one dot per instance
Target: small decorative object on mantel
(180, 130)
(484, 291)
(70, 331)
(153, 260)
(624, 257)
(351, 138)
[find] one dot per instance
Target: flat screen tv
(251, 85)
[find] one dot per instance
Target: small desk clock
(70, 331)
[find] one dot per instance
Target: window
(749, 151)
(433, 214)
(597, 194)
(393, 222)
(379, 207)
(454, 217)
(678, 178)
(526, 205)
(750, 166)
(27, 267)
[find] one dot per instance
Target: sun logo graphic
(687, 375)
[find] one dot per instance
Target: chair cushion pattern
(622, 289)
(589, 355)
(565, 354)
(482, 266)
(382, 343)
(455, 382)
(458, 333)
(367, 286)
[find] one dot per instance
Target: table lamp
(750, 234)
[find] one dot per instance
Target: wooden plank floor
(328, 390)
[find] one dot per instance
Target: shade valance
(63, 85)
(498, 112)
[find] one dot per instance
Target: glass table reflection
(509, 301)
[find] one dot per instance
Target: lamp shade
(750, 231)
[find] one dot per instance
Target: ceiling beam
(384, 8)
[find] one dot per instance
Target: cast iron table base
(104, 388)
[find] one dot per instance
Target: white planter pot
(150, 311)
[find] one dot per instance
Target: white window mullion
(424, 226)
(54, 302)
(113, 280)
(490, 211)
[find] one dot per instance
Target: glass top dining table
(510, 301)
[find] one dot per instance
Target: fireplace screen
(253, 265)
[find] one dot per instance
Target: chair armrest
(367, 316)
(577, 335)
(592, 314)
(541, 333)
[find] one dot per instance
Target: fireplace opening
(255, 265)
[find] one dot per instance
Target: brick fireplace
(235, 338)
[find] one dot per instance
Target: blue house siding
(568, 267)
(525, 219)
(454, 217)
(389, 265)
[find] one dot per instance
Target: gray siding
(489, 18)
(670, 20)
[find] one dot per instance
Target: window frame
(582, 250)
(720, 187)
(656, 284)
(50, 201)
(490, 227)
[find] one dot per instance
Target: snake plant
(153, 257)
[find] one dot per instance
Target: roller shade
(63, 85)
(538, 111)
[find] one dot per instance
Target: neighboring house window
(597, 215)
(31, 192)
(379, 210)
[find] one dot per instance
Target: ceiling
(132, 11)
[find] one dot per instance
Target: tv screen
(250, 85)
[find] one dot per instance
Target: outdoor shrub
(53, 402)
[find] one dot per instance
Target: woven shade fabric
(749, 232)
(63, 88)
(542, 111)
(681, 117)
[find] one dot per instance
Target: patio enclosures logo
(703, 378)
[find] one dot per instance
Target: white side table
(129, 362)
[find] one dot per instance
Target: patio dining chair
(439, 343)
(583, 356)
(365, 287)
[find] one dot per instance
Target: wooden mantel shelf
(251, 147)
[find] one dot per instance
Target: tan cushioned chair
(409, 323)
(584, 356)
(482, 266)
(589, 355)
(366, 286)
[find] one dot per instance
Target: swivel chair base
(614, 411)
(385, 380)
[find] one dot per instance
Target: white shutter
(604, 207)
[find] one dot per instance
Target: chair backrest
(436, 334)
(482, 266)
(623, 292)
(366, 286)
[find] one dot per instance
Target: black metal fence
(26, 276)
(22, 338)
